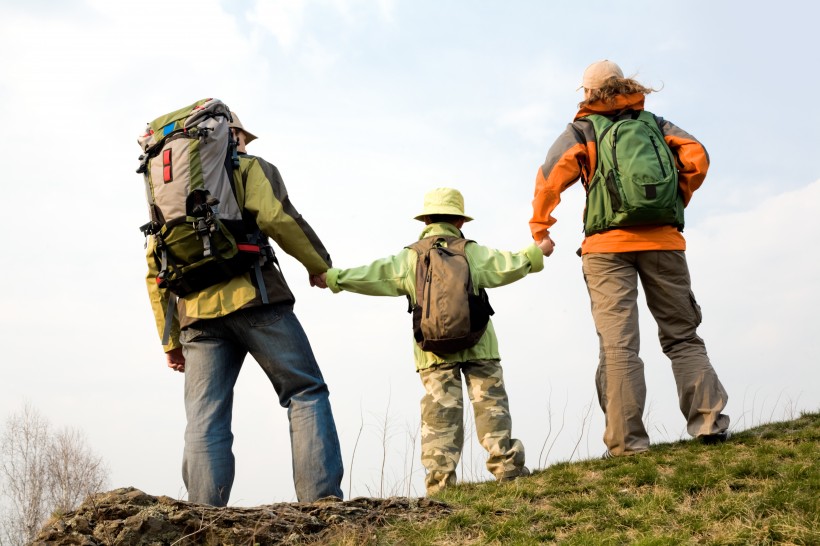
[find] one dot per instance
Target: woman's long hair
(613, 87)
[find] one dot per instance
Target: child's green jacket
(396, 276)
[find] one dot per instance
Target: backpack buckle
(149, 228)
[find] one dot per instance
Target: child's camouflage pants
(442, 421)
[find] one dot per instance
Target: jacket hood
(633, 101)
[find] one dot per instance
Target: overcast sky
(364, 106)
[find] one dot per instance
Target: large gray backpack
(449, 315)
(190, 165)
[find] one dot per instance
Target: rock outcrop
(131, 517)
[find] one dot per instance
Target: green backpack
(636, 179)
(190, 165)
(448, 315)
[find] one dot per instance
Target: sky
(364, 106)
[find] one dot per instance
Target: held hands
(319, 280)
(547, 245)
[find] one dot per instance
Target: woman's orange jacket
(574, 153)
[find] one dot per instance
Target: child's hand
(319, 280)
(547, 245)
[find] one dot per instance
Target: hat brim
(249, 137)
(421, 216)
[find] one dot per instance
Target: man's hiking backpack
(636, 180)
(448, 316)
(190, 165)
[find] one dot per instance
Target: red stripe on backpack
(167, 173)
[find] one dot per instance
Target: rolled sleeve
(535, 256)
(332, 280)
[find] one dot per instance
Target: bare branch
(42, 472)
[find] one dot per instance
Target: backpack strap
(600, 126)
(580, 138)
(260, 281)
(265, 252)
(169, 317)
(420, 248)
(257, 242)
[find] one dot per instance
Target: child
(442, 406)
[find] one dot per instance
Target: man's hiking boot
(711, 439)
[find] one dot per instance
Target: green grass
(760, 487)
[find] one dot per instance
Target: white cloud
(316, 57)
(758, 270)
(318, 50)
(544, 101)
(284, 19)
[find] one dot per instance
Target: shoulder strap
(169, 317)
(600, 125)
(650, 119)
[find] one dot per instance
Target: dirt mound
(128, 516)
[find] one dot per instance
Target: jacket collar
(441, 228)
(633, 101)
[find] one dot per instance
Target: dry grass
(761, 487)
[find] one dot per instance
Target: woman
(615, 255)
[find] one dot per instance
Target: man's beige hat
(597, 73)
(236, 124)
(443, 201)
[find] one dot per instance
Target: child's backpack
(190, 164)
(448, 315)
(636, 179)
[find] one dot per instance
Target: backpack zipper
(614, 155)
(658, 155)
(429, 282)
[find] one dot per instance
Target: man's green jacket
(262, 193)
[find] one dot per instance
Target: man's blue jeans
(214, 350)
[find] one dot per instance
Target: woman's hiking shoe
(711, 439)
(609, 455)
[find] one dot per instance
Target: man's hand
(319, 280)
(547, 245)
(176, 361)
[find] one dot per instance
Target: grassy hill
(760, 487)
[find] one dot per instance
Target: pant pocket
(263, 315)
(191, 333)
(696, 309)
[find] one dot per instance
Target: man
(615, 256)
(442, 407)
(215, 328)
